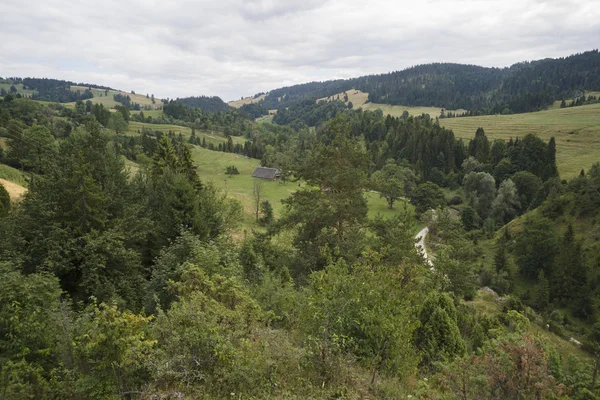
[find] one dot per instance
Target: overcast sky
(234, 48)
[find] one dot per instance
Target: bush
(232, 170)
(455, 200)
(4, 201)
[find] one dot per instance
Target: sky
(235, 48)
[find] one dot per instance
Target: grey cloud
(235, 47)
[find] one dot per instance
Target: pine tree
(569, 277)
(164, 157)
(552, 171)
(500, 260)
(4, 201)
(541, 292)
(438, 338)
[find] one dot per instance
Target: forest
(122, 284)
(522, 87)
(206, 103)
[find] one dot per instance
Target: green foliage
(469, 218)
(328, 213)
(232, 170)
(4, 201)
(438, 337)
(506, 205)
(28, 328)
(350, 310)
(392, 182)
(479, 148)
(427, 196)
(266, 212)
(541, 292)
(511, 367)
(203, 339)
(570, 273)
(480, 188)
(32, 148)
(527, 186)
(536, 247)
(112, 350)
(117, 123)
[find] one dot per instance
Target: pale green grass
(359, 99)
(19, 87)
(212, 166)
(150, 113)
(13, 175)
(576, 129)
(486, 304)
(396, 111)
(109, 101)
(247, 100)
(265, 119)
(214, 137)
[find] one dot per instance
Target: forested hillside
(523, 87)
(51, 89)
(205, 103)
(126, 273)
(140, 258)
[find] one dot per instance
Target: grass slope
(109, 101)
(15, 191)
(210, 136)
(246, 100)
(487, 304)
(212, 165)
(576, 129)
(19, 87)
(359, 99)
(12, 174)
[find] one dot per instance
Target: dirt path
(420, 245)
(15, 190)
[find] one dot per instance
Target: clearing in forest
(14, 190)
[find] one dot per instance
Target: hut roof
(265, 173)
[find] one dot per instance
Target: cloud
(234, 48)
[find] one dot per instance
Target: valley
(397, 253)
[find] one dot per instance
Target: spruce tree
(4, 201)
(541, 292)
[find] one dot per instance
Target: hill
(523, 87)
(361, 99)
(106, 97)
(206, 103)
(247, 100)
(576, 130)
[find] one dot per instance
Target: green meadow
(576, 130)
(109, 101)
(19, 87)
(213, 137)
(212, 166)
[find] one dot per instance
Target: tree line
(522, 87)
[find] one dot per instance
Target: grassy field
(576, 129)
(265, 119)
(246, 100)
(109, 101)
(486, 304)
(150, 113)
(212, 165)
(19, 87)
(15, 191)
(210, 136)
(359, 99)
(12, 174)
